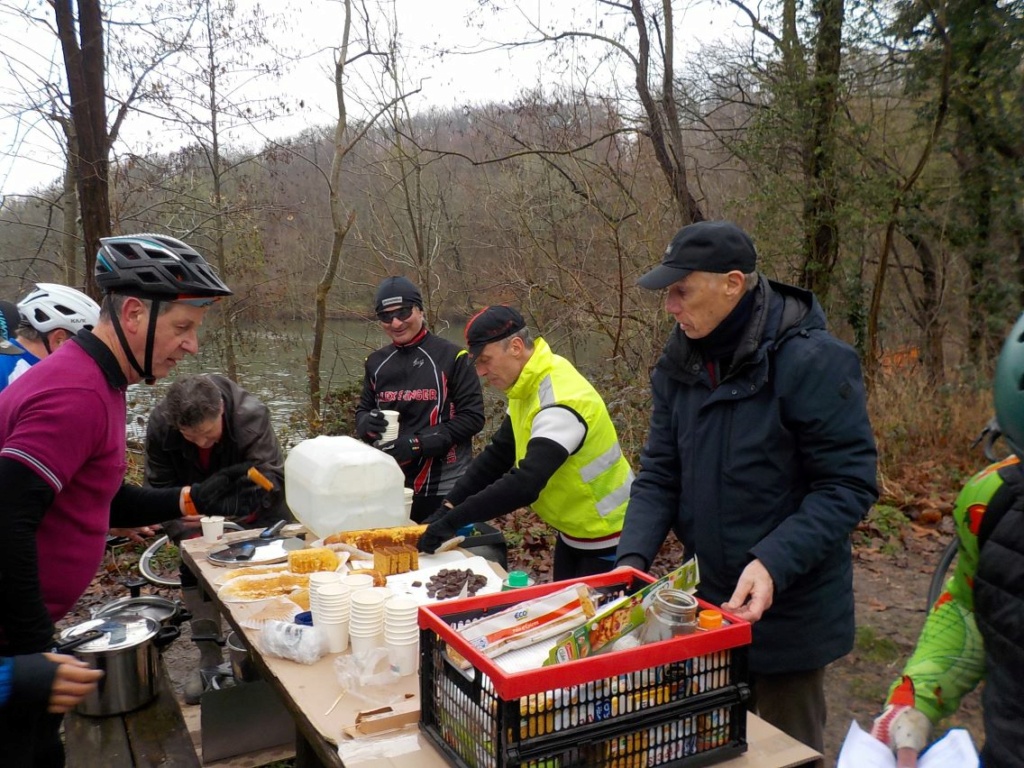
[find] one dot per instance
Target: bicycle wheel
(154, 575)
(941, 574)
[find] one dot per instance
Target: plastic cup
(404, 657)
(213, 528)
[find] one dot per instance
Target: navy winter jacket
(776, 463)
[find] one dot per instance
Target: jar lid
(709, 619)
(119, 631)
(518, 579)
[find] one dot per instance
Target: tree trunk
(85, 67)
(821, 234)
(665, 132)
(69, 206)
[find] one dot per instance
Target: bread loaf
(372, 539)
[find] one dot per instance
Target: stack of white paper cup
(366, 623)
(391, 433)
(408, 502)
(402, 634)
(332, 615)
(317, 580)
(358, 581)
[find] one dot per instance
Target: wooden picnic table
(310, 694)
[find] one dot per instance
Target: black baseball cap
(492, 324)
(707, 246)
(395, 292)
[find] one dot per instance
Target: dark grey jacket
(248, 437)
(999, 611)
(776, 463)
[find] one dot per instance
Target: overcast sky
(471, 71)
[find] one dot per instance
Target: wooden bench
(151, 737)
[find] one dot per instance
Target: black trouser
(424, 506)
(572, 563)
(794, 702)
(30, 737)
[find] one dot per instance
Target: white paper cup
(368, 600)
(365, 626)
(407, 495)
(213, 528)
(358, 581)
(337, 636)
(404, 658)
(364, 643)
(400, 638)
(391, 432)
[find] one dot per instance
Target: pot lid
(257, 551)
(119, 631)
(158, 608)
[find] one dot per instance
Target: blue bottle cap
(466, 530)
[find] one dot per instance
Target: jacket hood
(780, 311)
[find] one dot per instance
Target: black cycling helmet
(156, 267)
(1008, 388)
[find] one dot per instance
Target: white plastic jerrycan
(337, 484)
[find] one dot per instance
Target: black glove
(182, 528)
(403, 450)
(372, 425)
(437, 514)
(228, 492)
(437, 533)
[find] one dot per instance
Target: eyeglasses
(403, 313)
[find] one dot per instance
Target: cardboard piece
(243, 718)
(621, 617)
(376, 721)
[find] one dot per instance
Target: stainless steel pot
(242, 667)
(165, 612)
(128, 653)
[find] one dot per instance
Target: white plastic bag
(294, 642)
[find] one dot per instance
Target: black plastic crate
(679, 702)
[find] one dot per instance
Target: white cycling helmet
(51, 306)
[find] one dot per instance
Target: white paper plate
(401, 584)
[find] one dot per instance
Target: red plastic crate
(678, 702)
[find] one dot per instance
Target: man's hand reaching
(753, 594)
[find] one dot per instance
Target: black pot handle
(165, 636)
(273, 530)
(182, 615)
(73, 642)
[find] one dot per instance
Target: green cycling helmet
(1008, 388)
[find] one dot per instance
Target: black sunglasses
(403, 313)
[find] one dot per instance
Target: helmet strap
(147, 372)
(46, 342)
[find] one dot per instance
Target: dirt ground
(890, 592)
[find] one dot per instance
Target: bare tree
(343, 215)
(81, 40)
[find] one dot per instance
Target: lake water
(272, 365)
